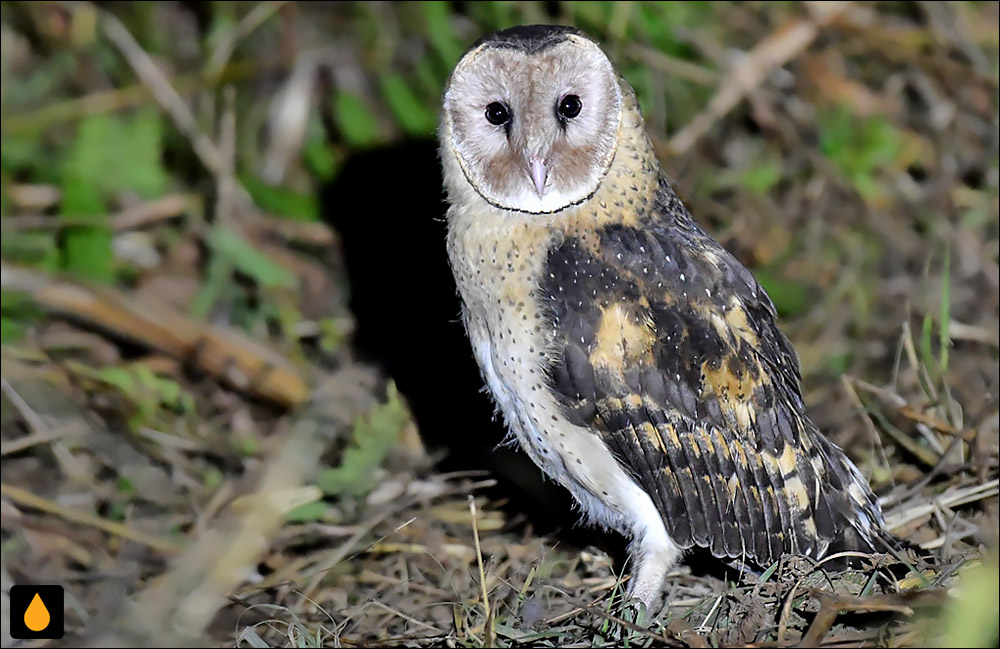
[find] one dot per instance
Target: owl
(633, 358)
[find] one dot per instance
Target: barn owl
(634, 359)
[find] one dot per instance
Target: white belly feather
(574, 456)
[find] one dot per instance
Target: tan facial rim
(471, 56)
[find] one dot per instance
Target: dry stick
(29, 499)
(951, 498)
(225, 207)
(247, 24)
(108, 101)
(344, 552)
(223, 353)
(334, 557)
(479, 560)
(673, 66)
(859, 406)
(941, 467)
(33, 439)
(289, 116)
(775, 50)
(923, 423)
(171, 102)
(952, 28)
(146, 213)
(832, 607)
(34, 422)
(786, 609)
(404, 616)
(925, 455)
(961, 331)
(218, 160)
(159, 209)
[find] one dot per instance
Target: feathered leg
(653, 554)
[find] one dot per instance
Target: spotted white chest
(508, 337)
(505, 370)
(497, 270)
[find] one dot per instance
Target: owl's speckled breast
(497, 270)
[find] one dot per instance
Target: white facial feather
(496, 159)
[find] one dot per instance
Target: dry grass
(192, 447)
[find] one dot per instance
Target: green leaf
(11, 330)
(30, 247)
(87, 252)
(859, 148)
(762, 177)
(282, 201)
(246, 446)
(411, 113)
(139, 156)
(88, 169)
(90, 165)
(309, 512)
(112, 154)
(21, 151)
(125, 486)
(319, 157)
(119, 377)
(926, 349)
(355, 119)
(770, 571)
(945, 333)
(371, 440)
(212, 478)
(837, 363)
(248, 260)
(441, 32)
(497, 14)
(791, 298)
(970, 617)
(213, 287)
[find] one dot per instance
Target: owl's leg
(653, 554)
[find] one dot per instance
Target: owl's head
(532, 116)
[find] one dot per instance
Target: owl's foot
(654, 555)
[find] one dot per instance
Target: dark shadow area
(388, 207)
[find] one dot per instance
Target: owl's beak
(539, 173)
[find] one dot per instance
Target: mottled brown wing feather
(668, 348)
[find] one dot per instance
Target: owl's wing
(667, 347)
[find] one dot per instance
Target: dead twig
(109, 101)
(831, 607)
(149, 212)
(673, 66)
(28, 499)
(218, 351)
(775, 50)
(168, 98)
(246, 25)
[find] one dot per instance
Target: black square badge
(36, 612)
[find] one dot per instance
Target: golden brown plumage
(634, 359)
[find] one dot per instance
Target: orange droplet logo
(37, 616)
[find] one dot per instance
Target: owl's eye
(497, 114)
(570, 106)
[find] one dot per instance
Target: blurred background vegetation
(217, 215)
